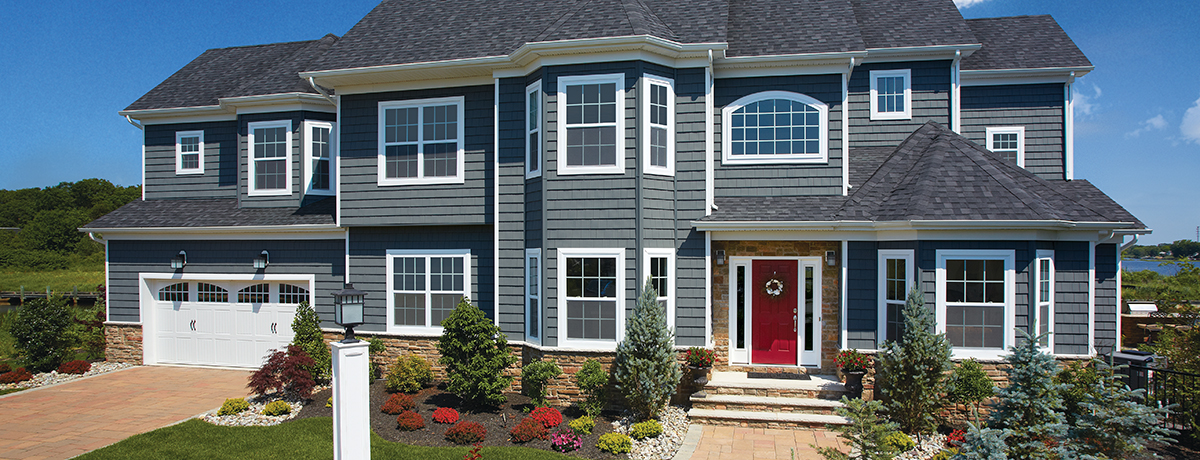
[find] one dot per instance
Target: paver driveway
(737, 443)
(83, 415)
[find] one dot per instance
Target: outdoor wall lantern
(831, 258)
(179, 260)
(720, 257)
(348, 310)
(262, 260)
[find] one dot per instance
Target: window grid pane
(177, 292)
(594, 320)
(658, 146)
(659, 276)
(591, 104)
(211, 293)
(292, 294)
(975, 281)
(189, 149)
(776, 127)
(591, 278)
(890, 93)
(257, 293)
(421, 141)
(320, 162)
(426, 287)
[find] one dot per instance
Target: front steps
(733, 399)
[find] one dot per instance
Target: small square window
(189, 152)
(891, 94)
(1008, 142)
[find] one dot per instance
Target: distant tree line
(1181, 249)
(41, 224)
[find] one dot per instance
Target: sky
(69, 67)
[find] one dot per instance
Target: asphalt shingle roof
(1022, 42)
(211, 213)
(903, 23)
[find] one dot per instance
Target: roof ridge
(649, 15)
(553, 27)
(1011, 17)
(870, 183)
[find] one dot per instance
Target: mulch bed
(498, 420)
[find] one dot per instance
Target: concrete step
(763, 419)
(766, 404)
(737, 383)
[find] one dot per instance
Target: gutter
(955, 94)
(308, 228)
(135, 125)
(1121, 227)
(312, 82)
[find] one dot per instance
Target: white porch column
(351, 401)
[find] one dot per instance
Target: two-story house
(782, 172)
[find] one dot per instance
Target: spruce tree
(645, 367)
(983, 444)
(476, 355)
(866, 434)
(912, 370)
(1113, 422)
(1030, 406)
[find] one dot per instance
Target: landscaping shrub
(534, 377)
(17, 376)
(591, 380)
(445, 415)
(1076, 382)
(409, 374)
(4, 367)
(898, 442)
(945, 454)
(911, 370)
(233, 406)
(645, 366)
(646, 429)
(40, 333)
(1030, 408)
(475, 353)
(398, 403)
(306, 326)
(74, 367)
(87, 328)
(466, 433)
(614, 443)
(527, 430)
(582, 425)
(956, 438)
(970, 385)
(329, 402)
(376, 348)
(565, 441)
(410, 421)
(1114, 422)
(549, 417)
(866, 434)
(277, 408)
(286, 372)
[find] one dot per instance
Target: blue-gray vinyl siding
(780, 179)
(520, 203)
(368, 262)
(126, 259)
(930, 101)
(1106, 298)
(220, 176)
(297, 155)
(366, 203)
(1038, 108)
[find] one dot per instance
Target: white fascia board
(290, 232)
(920, 53)
(181, 115)
(784, 64)
(435, 83)
(1021, 76)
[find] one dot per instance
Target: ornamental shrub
(852, 361)
(970, 385)
(410, 421)
(1114, 422)
(646, 429)
(17, 376)
(866, 434)
(398, 403)
(565, 441)
(1078, 380)
(699, 357)
(409, 374)
(376, 348)
(466, 433)
(40, 333)
(582, 425)
(645, 366)
(78, 366)
(445, 415)
(983, 444)
(527, 430)
(1030, 407)
(591, 380)
(945, 454)
(898, 442)
(534, 377)
(306, 326)
(614, 443)
(549, 417)
(956, 438)
(4, 367)
(277, 408)
(475, 354)
(285, 372)
(233, 406)
(911, 370)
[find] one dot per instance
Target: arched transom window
(775, 127)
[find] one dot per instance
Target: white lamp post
(351, 393)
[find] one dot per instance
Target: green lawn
(303, 439)
(57, 280)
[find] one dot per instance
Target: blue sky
(68, 68)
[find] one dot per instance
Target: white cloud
(1154, 124)
(1085, 104)
(1190, 126)
(967, 3)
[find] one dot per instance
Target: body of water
(1136, 265)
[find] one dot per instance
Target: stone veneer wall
(831, 293)
(123, 343)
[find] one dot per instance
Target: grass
(310, 438)
(56, 280)
(10, 390)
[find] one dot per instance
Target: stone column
(351, 401)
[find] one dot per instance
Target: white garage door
(224, 323)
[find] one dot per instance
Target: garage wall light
(179, 260)
(262, 260)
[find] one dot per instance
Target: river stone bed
(254, 416)
(675, 425)
(926, 447)
(53, 377)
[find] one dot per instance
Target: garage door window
(211, 293)
(257, 293)
(177, 292)
(425, 287)
(290, 293)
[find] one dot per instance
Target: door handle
(795, 319)
(273, 331)
(193, 324)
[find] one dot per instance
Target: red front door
(774, 309)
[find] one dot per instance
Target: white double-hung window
(896, 272)
(270, 157)
(775, 127)
(533, 295)
(319, 152)
(658, 117)
(591, 124)
(591, 306)
(660, 269)
(891, 94)
(421, 141)
(1044, 291)
(424, 286)
(189, 152)
(1008, 142)
(533, 130)
(976, 305)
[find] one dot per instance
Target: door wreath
(774, 287)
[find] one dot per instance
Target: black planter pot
(854, 383)
(699, 377)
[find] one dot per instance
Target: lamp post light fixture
(262, 260)
(179, 261)
(348, 310)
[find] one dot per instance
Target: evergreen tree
(866, 434)
(1113, 422)
(970, 385)
(1030, 406)
(645, 367)
(306, 326)
(912, 370)
(476, 356)
(983, 444)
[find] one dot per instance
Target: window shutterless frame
(659, 265)
(891, 94)
(420, 282)
(270, 157)
(418, 137)
(533, 130)
(617, 301)
(1008, 141)
(533, 295)
(189, 152)
(320, 157)
(896, 274)
(749, 120)
(1008, 257)
(585, 127)
(658, 118)
(1043, 290)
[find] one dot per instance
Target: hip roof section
(211, 213)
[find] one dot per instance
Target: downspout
(955, 94)
(638, 183)
(1129, 244)
(1069, 128)
(846, 127)
(143, 128)
(135, 125)
(100, 240)
(709, 180)
(312, 82)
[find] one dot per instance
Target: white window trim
(1020, 132)
(1044, 254)
(885, 255)
(727, 156)
(382, 178)
(179, 169)
(531, 335)
(1010, 313)
(561, 139)
(649, 81)
(904, 115)
(535, 170)
(561, 275)
(669, 296)
(250, 127)
(392, 254)
(308, 157)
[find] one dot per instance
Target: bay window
(591, 286)
(975, 301)
(591, 124)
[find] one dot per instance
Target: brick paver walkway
(736, 443)
(70, 419)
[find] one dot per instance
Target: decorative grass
(59, 281)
